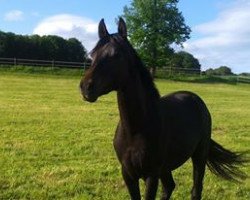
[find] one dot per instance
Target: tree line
(41, 47)
(222, 71)
(184, 60)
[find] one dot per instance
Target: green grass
(38, 70)
(55, 146)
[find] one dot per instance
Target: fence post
(15, 61)
(53, 64)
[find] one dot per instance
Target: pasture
(55, 146)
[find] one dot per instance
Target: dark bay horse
(155, 134)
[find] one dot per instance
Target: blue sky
(220, 28)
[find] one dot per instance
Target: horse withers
(155, 135)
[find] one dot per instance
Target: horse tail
(225, 163)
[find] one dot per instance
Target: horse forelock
(109, 45)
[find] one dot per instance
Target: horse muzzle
(89, 98)
(88, 91)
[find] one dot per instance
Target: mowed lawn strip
(55, 146)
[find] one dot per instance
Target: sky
(220, 28)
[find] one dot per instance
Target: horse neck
(137, 103)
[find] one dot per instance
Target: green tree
(209, 72)
(41, 48)
(184, 60)
(221, 71)
(153, 25)
(73, 46)
(224, 70)
(2, 44)
(176, 61)
(244, 74)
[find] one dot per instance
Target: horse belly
(178, 152)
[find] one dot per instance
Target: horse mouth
(90, 98)
(88, 95)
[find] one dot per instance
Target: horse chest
(137, 161)
(134, 155)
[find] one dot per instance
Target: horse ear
(122, 28)
(102, 30)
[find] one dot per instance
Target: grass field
(55, 146)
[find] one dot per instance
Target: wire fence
(44, 63)
(169, 71)
(165, 71)
(161, 72)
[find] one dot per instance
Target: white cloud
(225, 40)
(14, 15)
(67, 26)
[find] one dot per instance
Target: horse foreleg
(151, 188)
(132, 185)
(168, 185)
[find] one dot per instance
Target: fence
(44, 63)
(242, 79)
(169, 71)
(161, 73)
